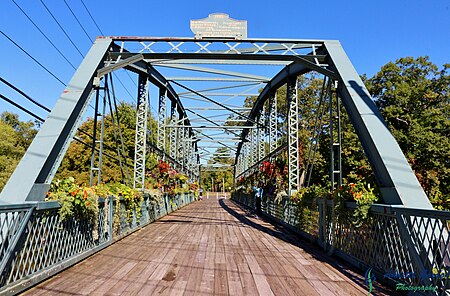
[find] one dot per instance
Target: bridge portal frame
(395, 178)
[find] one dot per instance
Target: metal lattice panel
(161, 144)
(12, 225)
(254, 47)
(247, 155)
(261, 135)
(182, 149)
(293, 161)
(379, 244)
(173, 134)
(141, 133)
(254, 146)
(49, 241)
(273, 120)
(428, 234)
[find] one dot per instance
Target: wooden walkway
(211, 247)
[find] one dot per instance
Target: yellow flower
(358, 195)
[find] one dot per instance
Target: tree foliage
(215, 180)
(77, 161)
(414, 98)
(15, 137)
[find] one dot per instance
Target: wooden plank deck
(211, 247)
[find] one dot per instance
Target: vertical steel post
(254, 142)
(239, 165)
(141, 133)
(94, 138)
(273, 119)
(335, 146)
(243, 155)
(293, 169)
(102, 136)
(261, 134)
(161, 144)
(181, 148)
(247, 155)
(173, 132)
(339, 146)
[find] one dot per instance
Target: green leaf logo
(369, 279)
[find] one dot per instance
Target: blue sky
(372, 32)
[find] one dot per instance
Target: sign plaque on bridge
(219, 25)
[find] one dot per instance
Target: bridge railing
(406, 248)
(35, 244)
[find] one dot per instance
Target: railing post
(111, 217)
(322, 222)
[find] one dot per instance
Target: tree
(15, 137)
(413, 96)
(77, 161)
(25, 130)
(220, 177)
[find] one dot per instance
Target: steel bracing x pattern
(293, 161)
(261, 139)
(161, 144)
(273, 120)
(141, 133)
(173, 134)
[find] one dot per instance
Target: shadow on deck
(211, 247)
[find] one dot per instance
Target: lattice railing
(36, 244)
(401, 245)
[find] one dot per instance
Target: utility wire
(21, 108)
(78, 21)
(121, 83)
(92, 18)
(42, 120)
(43, 34)
(29, 55)
(64, 31)
(38, 104)
(24, 94)
(35, 60)
(40, 64)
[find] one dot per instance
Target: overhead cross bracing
(198, 88)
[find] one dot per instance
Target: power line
(43, 34)
(29, 55)
(115, 75)
(36, 103)
(75, 138)
(65, 33)
(78, 21)
(40, 64)
(92, 18)
(24, 94)
(42, 120)
(121, 83)
(21, 108)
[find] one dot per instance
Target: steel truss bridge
(200, 87)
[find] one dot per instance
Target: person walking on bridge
(258, 198)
